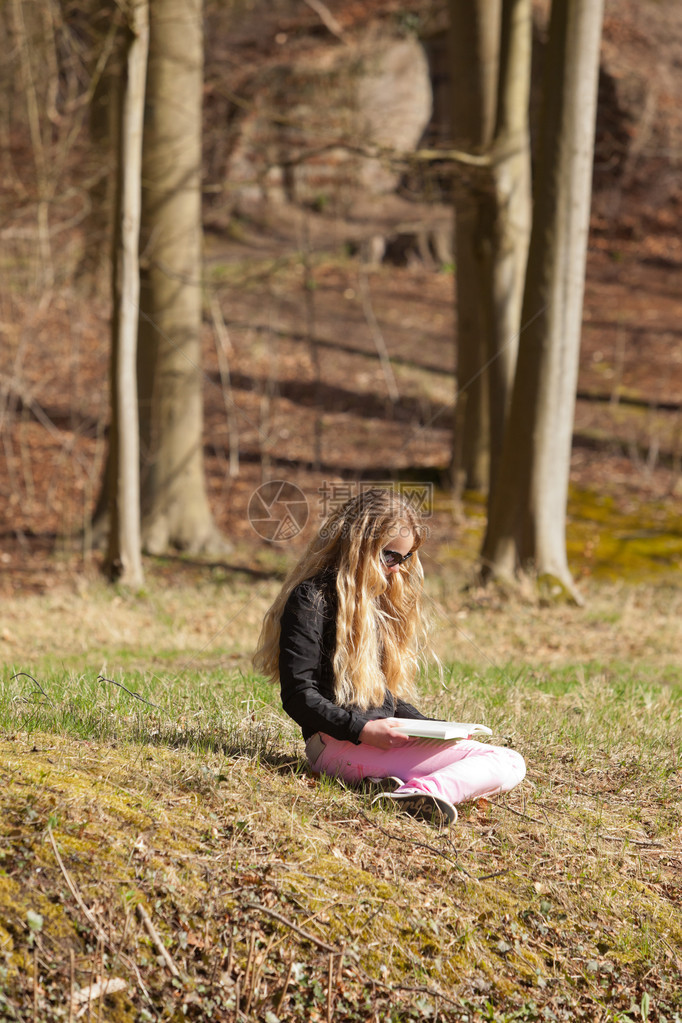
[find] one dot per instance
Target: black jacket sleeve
(308, 629)
(403, 709)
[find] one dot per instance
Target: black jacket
(306, 651)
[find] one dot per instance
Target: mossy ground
(560, 901)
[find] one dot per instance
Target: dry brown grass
(80, 624)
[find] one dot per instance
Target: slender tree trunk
(470, 466)
(510, 230)
(491, 59)
(175, 510)
(526, 525)
(123, 558)
(474, 43)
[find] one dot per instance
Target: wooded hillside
(314, 290)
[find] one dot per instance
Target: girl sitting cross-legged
(345, 638)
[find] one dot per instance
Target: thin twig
(518, 813)
(498, 873)
(406, 987)
(72, 982)
(632, 841)
(330, 981)
(92, 920)
(327, 19)
(102, 980)
(378, 337)
(303, 873)
(640, 843)
(339, 969)
(154, 935)
(257, 971)
(667, 944)
(457, 156)
(223, 346)
(35, 983)
(91, 985)
(26, 675)
(249, 972)
(294, 927)
(74, 891)
(395, 157)
(283, 992)
(418, 845)
(438, 852)
(230, 953)
(311, 331)
(101, 678)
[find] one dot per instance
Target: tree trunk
(123, 558)
(474, 42)
(512, 213)
(175, 510)
(490, 57)
(527, 521)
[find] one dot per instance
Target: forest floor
(334, 373)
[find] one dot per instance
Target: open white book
(446, 730)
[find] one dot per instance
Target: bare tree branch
(327, 19)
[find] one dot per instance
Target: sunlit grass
(168, 775)
(595, 710)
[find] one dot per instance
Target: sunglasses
(392, 558)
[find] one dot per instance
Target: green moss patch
(611, 540)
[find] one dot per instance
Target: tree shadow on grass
(253, 745)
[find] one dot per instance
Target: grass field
(158, 827)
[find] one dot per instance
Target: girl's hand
(383, 733)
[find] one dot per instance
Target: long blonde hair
(380, 624)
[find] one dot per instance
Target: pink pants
(458, 771)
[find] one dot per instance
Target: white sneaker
(420, 804)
